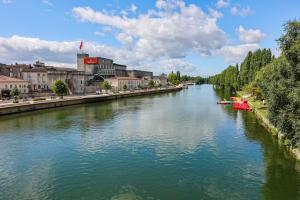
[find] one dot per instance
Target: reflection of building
(161, 80)
(118, 83)
(9, 83)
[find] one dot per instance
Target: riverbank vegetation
(176, 78)
(272, 81)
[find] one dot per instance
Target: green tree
(279, 87)
(105, 85)
(151, 84)
(125, 87)
(289, 43)
(60, 88)
(5, 93)
(178, 75)
(172, 78)
(15, 93)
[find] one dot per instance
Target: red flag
(81, 45)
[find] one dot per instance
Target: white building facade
(9, 83)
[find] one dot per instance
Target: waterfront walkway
(10, 108)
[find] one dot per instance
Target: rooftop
(125, 78)
(10, 79)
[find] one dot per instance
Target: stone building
(118, 83)
(140, 74)
(9, 83)
(42, 77)
(97, 66)
(161, 80)
(120, 70)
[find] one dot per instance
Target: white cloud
(63, 54)
(222, 3)
(47, 2)
(6, 1)
(125, 39)
(26, 49)
(215, 13)
(99, 33)
(250, 35)
(241, 11)
(133, 8)
(173, 30)
(236, 53)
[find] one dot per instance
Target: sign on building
(90, 60)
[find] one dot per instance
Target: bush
(151, 84)
(125, 87)
(60, 88)
(5, 93)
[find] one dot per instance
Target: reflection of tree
(224, 93)
(282, 177)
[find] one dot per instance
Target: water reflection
(282, 172)
(173, 146)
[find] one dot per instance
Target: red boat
(241, 105)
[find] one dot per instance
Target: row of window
(12, 86)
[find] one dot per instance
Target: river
(176, 146)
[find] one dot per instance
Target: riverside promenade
(11, 108)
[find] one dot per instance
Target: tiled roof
(125, 78)
(10, 79)
(35, 69)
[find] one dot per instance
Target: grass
(256, 104)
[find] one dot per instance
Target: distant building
(41, 78)
(118, 83)
(120, 70)
(13, 70)
(97, 66)
(9, 83)
(161, 80)
(140, 74)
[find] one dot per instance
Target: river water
(176, 146)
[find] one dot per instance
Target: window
(81, 82)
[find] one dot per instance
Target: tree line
(275, 80)
(176, 78)
(235, 77)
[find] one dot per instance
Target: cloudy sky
(197, 37)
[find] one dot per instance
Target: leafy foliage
(151, 84)
(5, 93)
(125, 87)
(60, 88)
(105, 85)
(15, 92)
(275, 80)
(173, 79)
(227, 78)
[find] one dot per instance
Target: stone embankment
(6, 109)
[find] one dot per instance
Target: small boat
(225, 102)
(241, 105)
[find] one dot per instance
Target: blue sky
(195, 37)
